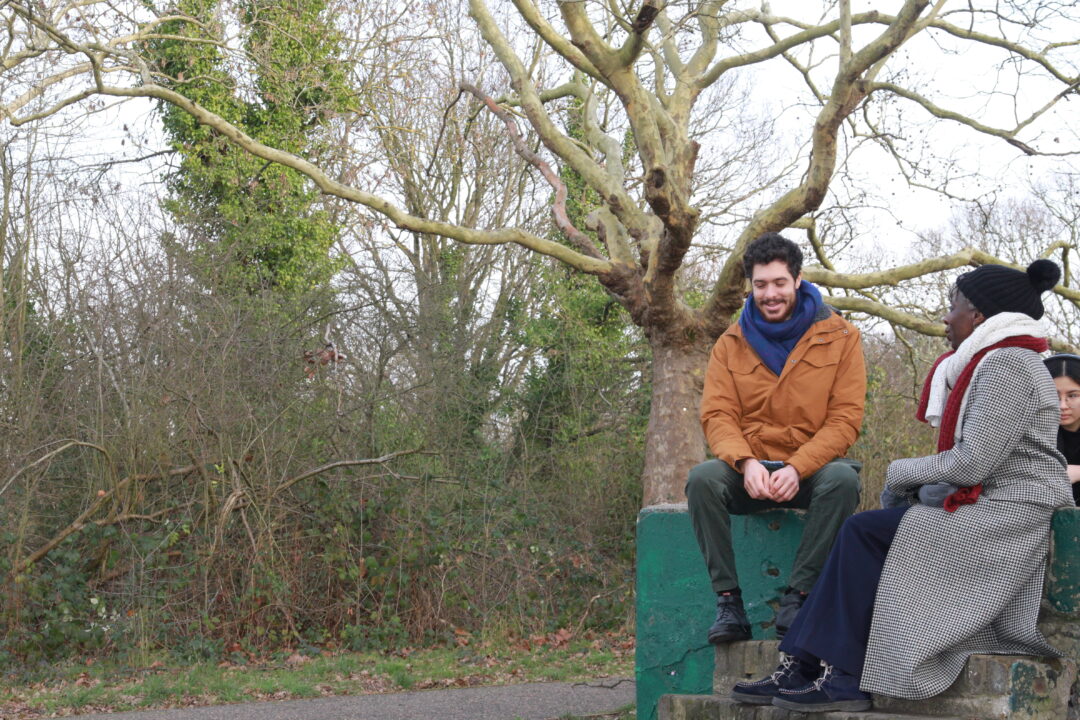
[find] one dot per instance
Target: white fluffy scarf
(993, 330)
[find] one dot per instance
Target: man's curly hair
(769, 247)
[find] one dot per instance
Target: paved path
(532, 701)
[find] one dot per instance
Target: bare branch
(83, 519)
(894, 276)
(558, 209)
(342, 464)
(1007, 135)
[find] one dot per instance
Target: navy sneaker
(790, 674)
(790, 604)
(731, 623)
(834, 690)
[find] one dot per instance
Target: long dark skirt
(834, 624)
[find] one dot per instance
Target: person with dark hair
(783, 402)
(910, 592)
(1065, 369)
(769, 248)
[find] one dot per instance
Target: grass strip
(112, 686)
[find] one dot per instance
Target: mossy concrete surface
(992, 687)
(676, 603)
(995, 687)
(714, 707)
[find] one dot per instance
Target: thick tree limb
(612, 193)
(332, 187)
(897, 275)
(847, 92)
(564, 47)
(800, 38)
(909, 321)
(886, 312)
(635, 42)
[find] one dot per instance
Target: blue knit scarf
(774, 341)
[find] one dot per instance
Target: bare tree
(656, 69)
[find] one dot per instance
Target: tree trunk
(674, 440)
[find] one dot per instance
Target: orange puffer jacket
(807, 417)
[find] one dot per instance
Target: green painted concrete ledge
(1063, 574)
(676, 604)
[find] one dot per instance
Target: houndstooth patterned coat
(971, 581)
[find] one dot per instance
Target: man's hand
(756, 480)
(784, 484)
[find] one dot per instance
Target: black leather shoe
(789, 608)
(790, 674)
(731, 623)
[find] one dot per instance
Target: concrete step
(990, 687)
(715, 707)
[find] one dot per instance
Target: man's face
(961, 320)
(774, 290)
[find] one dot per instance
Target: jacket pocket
(744, 364)
(823, 354)
(808, 389)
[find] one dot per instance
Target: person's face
(774, 290)
(961, 320)
(1068, 402)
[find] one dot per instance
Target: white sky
(966, 79)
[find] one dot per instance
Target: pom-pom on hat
(994, 289)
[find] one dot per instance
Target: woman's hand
(1074, 473)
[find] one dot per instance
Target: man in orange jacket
(783, 402)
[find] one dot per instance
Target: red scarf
(951, 414)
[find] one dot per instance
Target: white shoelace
(785, 668)
(824, 676)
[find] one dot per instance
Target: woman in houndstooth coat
(970, 581)
(910, 591)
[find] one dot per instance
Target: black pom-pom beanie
(994, 289)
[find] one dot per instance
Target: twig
(442, 129)
(46, 456)
(615, 684)
(342, 463)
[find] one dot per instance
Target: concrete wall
(676, 604)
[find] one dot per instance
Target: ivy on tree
(253, 225)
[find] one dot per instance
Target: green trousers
(715, 491)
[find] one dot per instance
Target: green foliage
(517, 518)
(375, 634)
(57, 613)
(254, 225)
